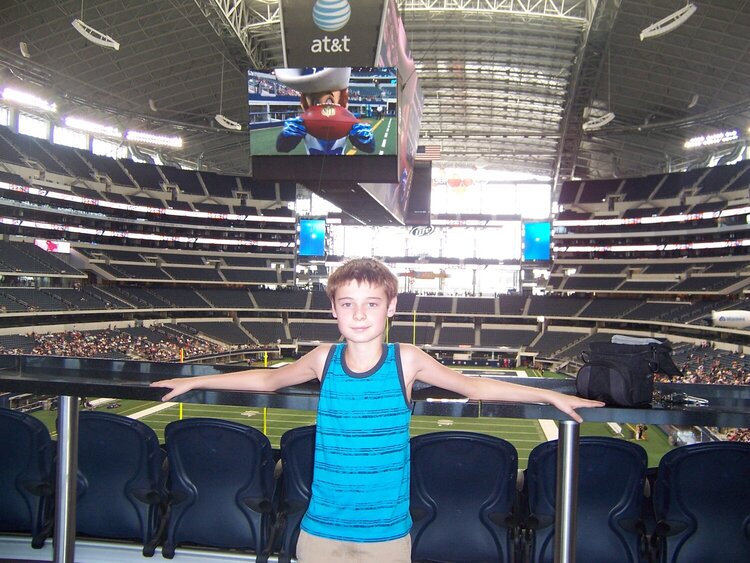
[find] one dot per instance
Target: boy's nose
(359, 313)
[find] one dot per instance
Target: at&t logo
(329, 16)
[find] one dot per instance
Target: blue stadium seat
(26, 476)
(220, 485)
(297, 461)
(611, 479)
(702, 503)
(121, 480)
(463, 490)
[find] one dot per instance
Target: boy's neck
(363, 356)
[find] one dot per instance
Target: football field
(523, 434)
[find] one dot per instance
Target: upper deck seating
(640, 189)
(430, 304)
(219, 185)
(596, 191)
(224, 331)
(498, 336)
(267, 332)
(453, 335)
(227, 298)
(147, 176)
(186, 180)
(476, 305)
(280, 299)
(108, 167)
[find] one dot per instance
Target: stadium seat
(220, 485)
(463, 490)
(611, 479)
(26, 476)
(297, 460)
(702, 503)
(121, 480)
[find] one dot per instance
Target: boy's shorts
(313, 549)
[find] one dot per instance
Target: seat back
(702, 503)
(463, 488)
(26, 475)
(611, 478)
(121, 479)
(221, 485)
(297, 462)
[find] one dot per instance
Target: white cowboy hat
(313, 80)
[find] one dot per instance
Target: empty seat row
(213, 484)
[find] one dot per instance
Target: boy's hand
(178, 386)
(568, 404)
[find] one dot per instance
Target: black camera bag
(623, 374)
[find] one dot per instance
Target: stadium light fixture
(29, 100)
(670, 23)
(92, 127)
(153, 139)
(220, 118)
(227, 123)
(715, 139)
(598, 122)
(96, 37)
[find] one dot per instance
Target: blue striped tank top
(360, 489)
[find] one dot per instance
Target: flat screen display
(536, 241)
(323, 111)
(312, 237)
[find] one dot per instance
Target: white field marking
(151, 410)
(550, 429)
(445, 422)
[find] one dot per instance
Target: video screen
(328, 111)
(536, 241)
(312, 237)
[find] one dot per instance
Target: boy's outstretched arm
(308, 367)
(419, 365)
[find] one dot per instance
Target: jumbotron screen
(326, 111)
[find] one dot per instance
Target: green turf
(263, 141)
(523, 434)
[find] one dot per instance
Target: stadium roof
(508, 84)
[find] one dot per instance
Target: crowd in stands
(739, 435)
(702, 364)
(116, 343)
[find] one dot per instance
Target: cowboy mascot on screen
(325, 123)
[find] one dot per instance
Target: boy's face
(361, 311)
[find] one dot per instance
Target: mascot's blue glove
(361, 137)
(293, 132)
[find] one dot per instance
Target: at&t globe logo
(331, 15)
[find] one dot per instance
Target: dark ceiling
(507, 83)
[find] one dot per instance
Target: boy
(359, 510)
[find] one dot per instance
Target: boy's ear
(333, 309)
(392, 307)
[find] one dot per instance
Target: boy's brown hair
(363, 270)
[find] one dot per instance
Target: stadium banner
(335, 33)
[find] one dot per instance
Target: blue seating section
(216, 484)
(26, 476)
(611, 481)
(221, 485)
(463, 491)
(702, 503)
(119, 459)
